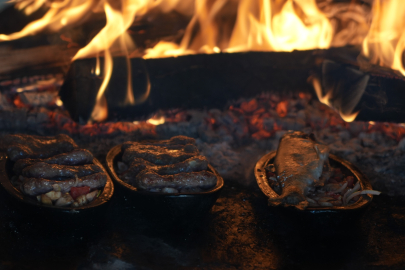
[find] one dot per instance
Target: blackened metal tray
(335, 161)
(30, 204)
(168, 205)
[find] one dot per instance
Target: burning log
(378, 93)
(210, 81)
(194, 81)
(39, 57)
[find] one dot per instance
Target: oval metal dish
(168, 205)
(32, 203)
(347, 167)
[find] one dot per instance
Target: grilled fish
(299, 164)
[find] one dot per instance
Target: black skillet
(170, 207)
(327, 216)
(30, 206)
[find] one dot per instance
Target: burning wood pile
(243, 125)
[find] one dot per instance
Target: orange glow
(385, 42)
(282, 108)
(156, 120)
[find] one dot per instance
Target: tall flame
(385, 42)
(298, 25)
(59, 15)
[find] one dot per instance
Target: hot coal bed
(237, 107)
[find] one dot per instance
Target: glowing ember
(282, 108)
(156, 120)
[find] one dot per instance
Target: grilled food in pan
(52, 172)
(167, 177)
(302, 174)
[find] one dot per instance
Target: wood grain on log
(15, 59)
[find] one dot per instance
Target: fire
(327, 99)
(59, 15)
(251, 25)
(298, 25)
(112, 38)
(385, 42)
(156, 120)
(286, 30)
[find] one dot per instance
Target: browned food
(37, 186)
(148, 180)
(169, 166)
(299, 164)
(175, 142)
(159, 155)
(45, 170)
(54, 170)
(75, 157)
(194, 164)
(28, 146)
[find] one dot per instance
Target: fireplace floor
(239, 233)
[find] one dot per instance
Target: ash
(233, 138)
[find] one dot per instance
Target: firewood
(210, 81)
(193, 81)
(15, 59)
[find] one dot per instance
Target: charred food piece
(37, 186)
(168, 166)
(150, 180)
(159, 155)
(45, 170)
(29, 146)
(136, 166)
(75, 157)
(299, 163)
(194, 164)
(175, 142)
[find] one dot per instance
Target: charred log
(194, 81)
(210, 81)
(378, 92)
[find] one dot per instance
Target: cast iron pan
(31, 204)
(346, 167)
(320, 220)
(170, 207)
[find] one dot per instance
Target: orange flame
(299, 25)
(385, 42)
(59, 15)
(156, 120)
(118, 21)
(326, 99)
